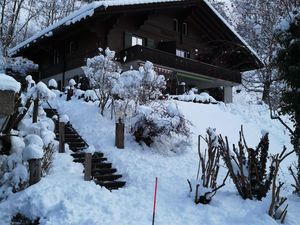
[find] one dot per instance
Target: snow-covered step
(102, 172)
(108, 177)
(111, 184)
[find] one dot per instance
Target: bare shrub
(208, 168)
(247, 166)
(47, 158)
(277, 210)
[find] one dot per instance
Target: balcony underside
(192, 72)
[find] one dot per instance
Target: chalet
(187, 41)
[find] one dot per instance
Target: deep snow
(63, 197)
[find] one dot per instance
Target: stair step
(103, 171)
(95, 160)
(76, 149)
(107, 177)
(78, 155)
(98, 154)
(111, 184)
(76, 144)
(101, 165)
(69, 140)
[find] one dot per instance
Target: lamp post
(120, 129)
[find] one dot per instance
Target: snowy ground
(63, 197)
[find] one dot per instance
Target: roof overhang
(111, 6)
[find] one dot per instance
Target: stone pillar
(227, 95)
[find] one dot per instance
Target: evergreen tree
(288, 64)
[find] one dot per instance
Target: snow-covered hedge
(191, 97)
(159, 124)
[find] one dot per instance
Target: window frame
(136, 39)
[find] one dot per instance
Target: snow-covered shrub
(157, 123)
(208, 170)
(20, 65)
(151, 83)
(248, 167)
(13, 173)
(102, 71)
(135, 87)
(52, 84)
(192, 97)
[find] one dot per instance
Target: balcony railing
(169, 60)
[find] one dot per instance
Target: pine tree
(288, 64)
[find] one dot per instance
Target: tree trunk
(266, 92)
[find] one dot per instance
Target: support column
(227, 95)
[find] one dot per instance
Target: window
(185, 28)
(56, 57)
(136, 41)
(182, 53)
(175, 25)
(72, 46)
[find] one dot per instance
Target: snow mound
(8, 83)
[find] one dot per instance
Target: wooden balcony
(171, 61)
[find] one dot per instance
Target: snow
(34, 147)
(62, 197)
(64, 119)
(8, 83)
(72, 83)
(32, 151)
(191, 97)
(52, 83)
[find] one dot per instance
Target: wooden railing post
(88, 166)
(35, 171)
(120, 134)
(61, 129)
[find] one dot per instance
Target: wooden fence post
(35, 110)
(120, 134)
(35, 171)
(87, 166)
(61, 129)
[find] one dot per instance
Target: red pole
(154, 205)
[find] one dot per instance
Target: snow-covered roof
(89, 9)
(8, 83)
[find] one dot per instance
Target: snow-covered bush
(20, 65)
(157, 123)
(208, 170)
(13, 173)
(192, 97)
(102, 71)
(136, 87)
(52, 84)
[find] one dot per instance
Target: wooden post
(70, 93)
(120, 134)
(35, 110)
(87, 166)
(35, 171)
(61, 129)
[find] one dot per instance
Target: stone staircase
(103, 173)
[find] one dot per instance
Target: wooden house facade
(187, 41)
